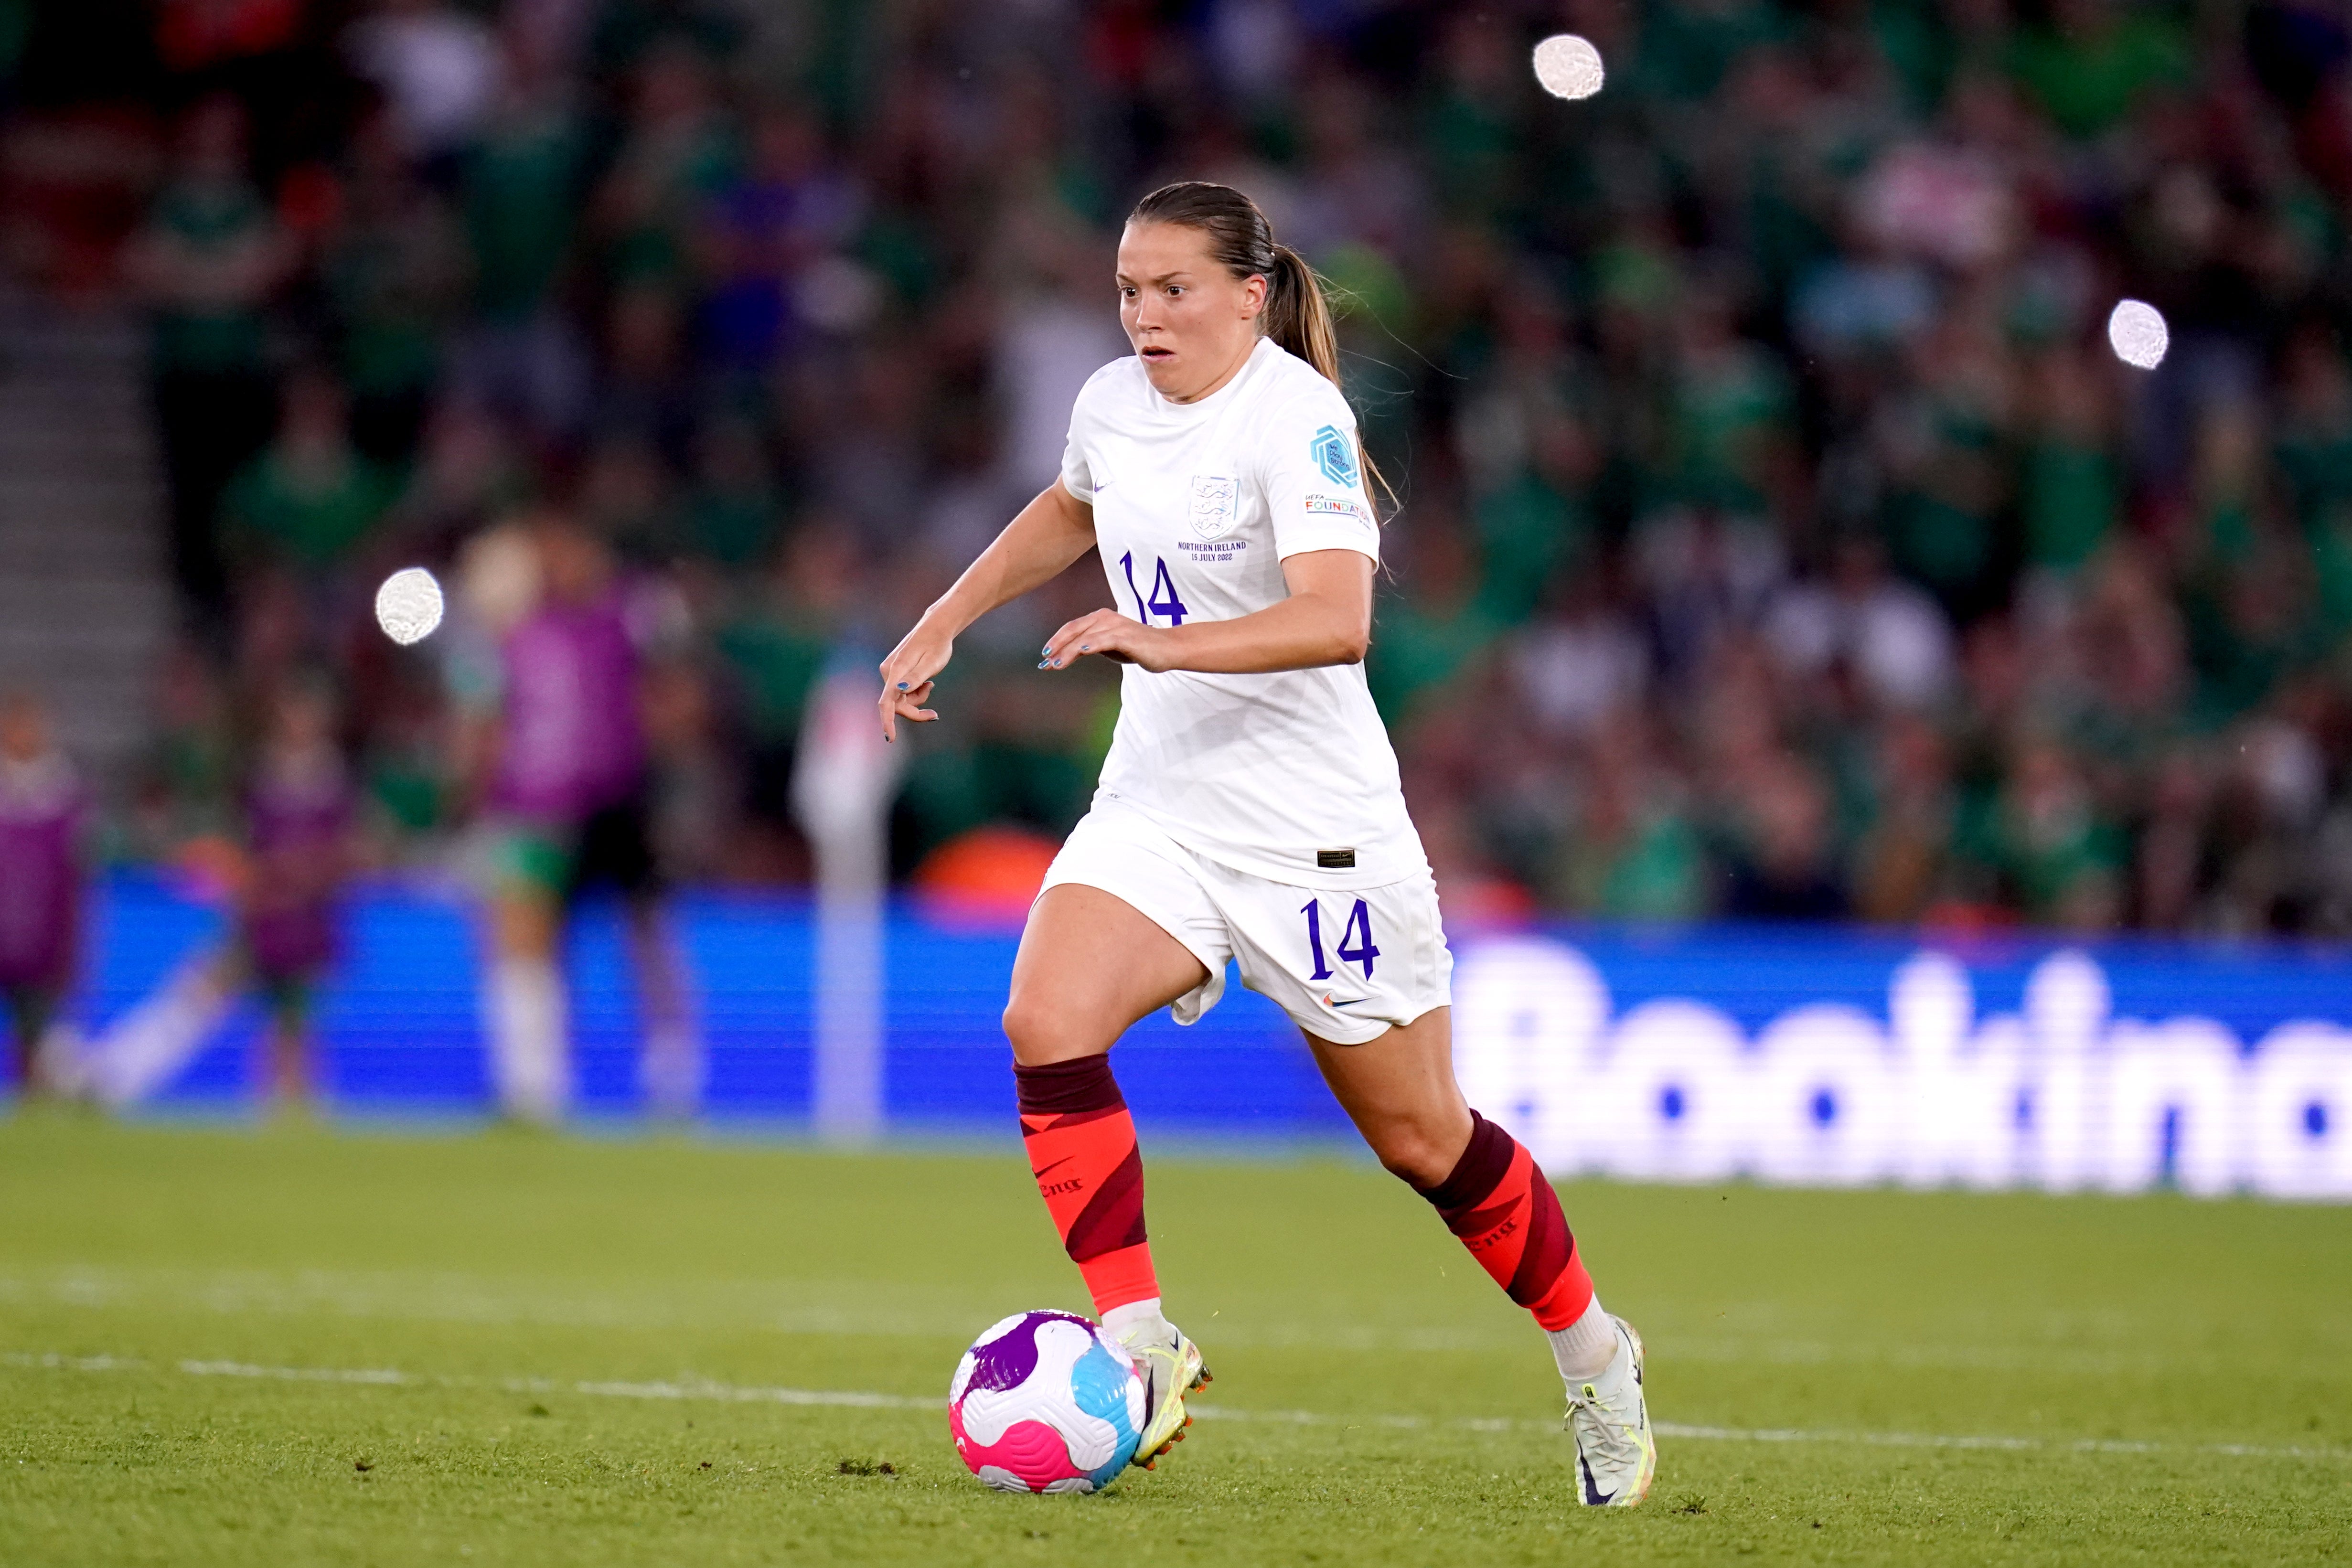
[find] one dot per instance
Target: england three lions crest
(1216, 502)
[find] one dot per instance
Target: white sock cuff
(1584, 1349)
(1118, 1320)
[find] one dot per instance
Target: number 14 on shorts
(1358, 930)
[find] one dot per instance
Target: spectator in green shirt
(2090, 64)
(773, 650)
(310, 498)
(1632, 851)
(520, 192)
(2070, 490)
(2313, 453)
(396, 270)
(731, 513)
(1435, 630)
(2062, 860)
(207, 262)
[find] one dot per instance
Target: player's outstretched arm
(1050, 533)
(1327, 620)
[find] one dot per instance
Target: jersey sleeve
(1077, 473)
(1313, 473)
(1076, 479)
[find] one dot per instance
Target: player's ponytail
(1298, 314)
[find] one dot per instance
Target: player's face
(304, 722)
(1192, 323)
(23, 730)
(575, 563)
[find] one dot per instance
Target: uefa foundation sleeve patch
(1337, 506)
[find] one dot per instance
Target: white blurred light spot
(1568, 67)
(408, 605)
(2137, 331)
(838, 295)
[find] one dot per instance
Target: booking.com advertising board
(1801, 1055)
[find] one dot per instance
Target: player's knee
(1039, 1031)
(1413, 1153)
(1021, 1022)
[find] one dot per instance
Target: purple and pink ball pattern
(1044, 1402)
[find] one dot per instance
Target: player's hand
(907, 678)
(1113, 636)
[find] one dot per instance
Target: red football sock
(1505, 1210)
(1081, 1144)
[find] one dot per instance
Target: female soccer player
(1249, 807)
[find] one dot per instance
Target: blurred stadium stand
(1779, 537)
(85, 605)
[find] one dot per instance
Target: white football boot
(1608, 1417)
(1171, 1368)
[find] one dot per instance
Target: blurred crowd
(1778, 534)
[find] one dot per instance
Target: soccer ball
(1046, 1402)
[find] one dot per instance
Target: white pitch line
(862, 1399)
(294, 1373)
(56, 1362)
(465, 1300)
(733, 1394)
(1941, 1440)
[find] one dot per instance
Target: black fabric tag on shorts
(1336, 860)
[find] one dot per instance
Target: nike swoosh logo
(1052, 1166)
(1358, 1002)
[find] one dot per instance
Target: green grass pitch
(294, 1346)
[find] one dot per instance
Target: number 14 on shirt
(1162, 585)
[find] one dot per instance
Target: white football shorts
(1345, 963)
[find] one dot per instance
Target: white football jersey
(1286, 776)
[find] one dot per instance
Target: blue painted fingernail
(1045, 663)
(902, 685)
(1086, 647)
(1046, 649)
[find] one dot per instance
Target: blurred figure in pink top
(559, 756)
(287, 880)
(299, 813)
(41, 810)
